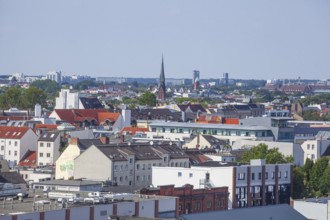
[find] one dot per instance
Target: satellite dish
(151, 143)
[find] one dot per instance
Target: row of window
(190, 175)
(309, 147)
(138, 178)
(15, 152)
(9, 143)
(241, 176)
(47, 144)
(42, 154)
(220, 132)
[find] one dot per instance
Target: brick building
(193, 200)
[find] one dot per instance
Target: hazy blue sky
(246, 38)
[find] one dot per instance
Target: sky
(249, 39)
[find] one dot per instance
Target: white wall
(311, 210)
(81, 213)
(34, 216)
(147, 208)
(102, 208)
(55, 215)
(126, 208)
(166, 205)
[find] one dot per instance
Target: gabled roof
(8, 132)
(193, 107)
(11, 177)
(110, 116)
(29, 159)
(73, 115)
(49, 136)
(83, 144)
(213, 141)
(91, 103)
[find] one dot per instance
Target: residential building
(15, 142)
(75, 100)
(254, 184)
(127, 164)
(48, 148)
(55, 76)
(279, 126)
(180, 131)
(65, 162)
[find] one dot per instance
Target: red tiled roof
(70, 115)
(231, 121)
(15, 118)
(9, 132)
(103, 116)
(46, 126)
(133, 130)
(29, 159)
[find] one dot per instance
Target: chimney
(198, 140)
(105, 140)
(122, 138)
(74, 141)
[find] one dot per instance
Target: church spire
(161, 86)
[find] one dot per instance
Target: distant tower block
(37, 110)
(196, 79)
(226, 77)
(161, 95)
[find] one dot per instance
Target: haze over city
(248, 39)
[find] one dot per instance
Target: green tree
(317, 172)
(148, 98)
(261, 151)
(298, 183)
(324, 187)
(33, 96)
(50, 87)
(11, 98)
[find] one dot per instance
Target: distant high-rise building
(226, 77)
(196, 79)
(55, 76)
(161, 95)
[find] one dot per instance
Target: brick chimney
(105, 140)
(74, 141)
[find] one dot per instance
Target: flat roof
(207, 126)
(68, 182)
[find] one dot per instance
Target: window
(2, 147)
(252, 176)
(312, 146)
(308, 146)
(197, 206)
(259, 176)
(149, 177)
(131, 160)
(190, 175)
(149, 166)
(48, 155)
(286, 174)
(15, 153)
(273, 175)
(179, 174)
(137, 178)
(313, 156)
(115, 168)
(41, 144)
(279, 174)
(241, 176)
(137, 166)
(209, 204)
(103, 213)
(121, 179)
(221, 204)
(165, 159)
(126, 167)
(9, 152)
(15, 143)
(143, 166)
(9, 142)
(48, 144)
(266, 176)
(41, 154)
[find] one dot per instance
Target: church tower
(161, 95)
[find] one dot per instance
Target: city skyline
(249, 40)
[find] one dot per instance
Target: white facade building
(248, 185)
(15, 142)
(55, 76)
(67, 100)
(48, 148)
